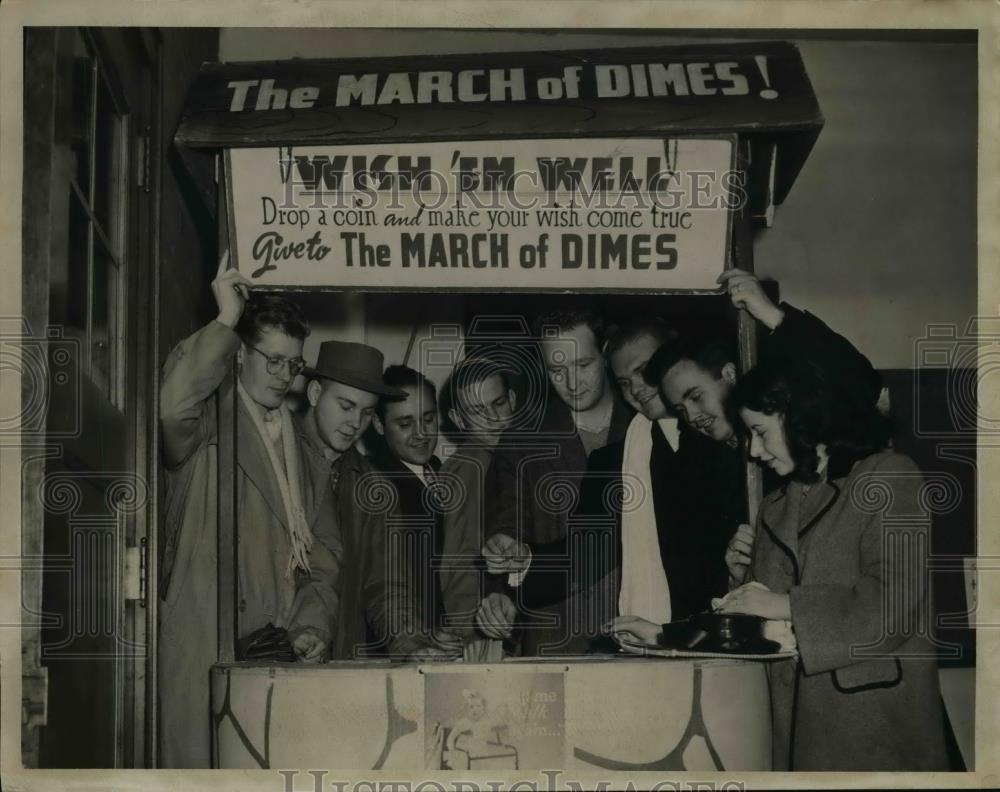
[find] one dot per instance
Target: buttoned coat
(464, 523)
(852, 556)
(375, 612)
(456, 518)
(415, 537)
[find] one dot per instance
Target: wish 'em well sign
(553, 214)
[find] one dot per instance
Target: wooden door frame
(142, 350)
(135, 676)
(39, 112)
(147, 720)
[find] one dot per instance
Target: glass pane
(78, 244)
(108, 175)
(74, 103)
(103, 346)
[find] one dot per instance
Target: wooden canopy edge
(777, 104)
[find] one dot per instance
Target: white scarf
(289, 483)
(644, 590)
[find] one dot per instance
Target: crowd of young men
(617, 499)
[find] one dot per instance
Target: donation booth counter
(574, 714)
(624, 173)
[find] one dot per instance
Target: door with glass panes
(89, 213)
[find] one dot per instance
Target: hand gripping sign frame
(756, 94)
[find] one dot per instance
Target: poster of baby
(494, 719)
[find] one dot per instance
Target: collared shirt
(594, 422)
(418, 471)
(315, 445)
(671, 431)
(272, 419)
(593, 430)
(272, 425)
(315, 442)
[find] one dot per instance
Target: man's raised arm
(196, 367)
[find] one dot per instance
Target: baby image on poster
(478, 722)
(478, 735)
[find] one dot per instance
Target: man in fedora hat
(285, 579)
(375, 612)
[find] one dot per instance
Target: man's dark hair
(627, 332)
(814, 410)
(268, 310)
(567, 320)
(472, 371)
(401, 377)
(710, 354)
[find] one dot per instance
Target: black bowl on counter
(735, 633)
(730, 628)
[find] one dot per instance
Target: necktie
(433, 485)
(272, 423)
(659, 472)
(661, 452)
(435, 499)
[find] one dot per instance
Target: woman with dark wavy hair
(839, 551)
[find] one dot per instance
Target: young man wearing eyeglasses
(285, 579)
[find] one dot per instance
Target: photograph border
(794, 16)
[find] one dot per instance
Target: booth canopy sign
(758, 90)
(606, 214)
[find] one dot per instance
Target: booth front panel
(583, 715)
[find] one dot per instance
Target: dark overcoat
(375, 611)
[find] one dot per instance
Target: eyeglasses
(277, 364)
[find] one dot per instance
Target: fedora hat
(357, 365)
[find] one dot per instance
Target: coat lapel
(347, 472)
(314, 470)
(415, 515)
(780, 519)
(789, 517)
(621, 417)
(409, 488)
(256, 465)
(816, 504)
(413, 499)
(560, 423)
